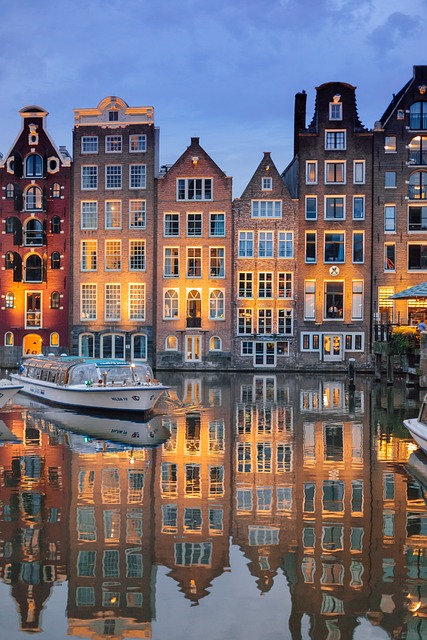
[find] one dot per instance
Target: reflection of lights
(414, 606)
(113, 600)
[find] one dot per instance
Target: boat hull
(94, 397)
(7, 391)
(418, 431)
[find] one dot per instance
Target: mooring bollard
(351, 372)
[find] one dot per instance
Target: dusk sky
(224, 70)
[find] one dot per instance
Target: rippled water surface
(268, 506)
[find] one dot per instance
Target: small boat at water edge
(8, 390)
(89, 383)
(417, 427)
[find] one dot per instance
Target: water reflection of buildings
(34, 519)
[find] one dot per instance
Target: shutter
(45, 165)
(44, 274)
(17, 232)
(18, 203)
(17, 164)
(44, 232)
(44, 199)
(17, 267)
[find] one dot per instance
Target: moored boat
(417, 427)
(89, 383)
(8, 390)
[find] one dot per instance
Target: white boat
(417, 427)
(8, 390)
(89, 383)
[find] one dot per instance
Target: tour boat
(417, 427)
(89, 383)
(7, 391)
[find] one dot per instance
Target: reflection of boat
(7, 391)
(417, 466)
(6, 434)
(417, 427)
(90, 383)
(134, 433)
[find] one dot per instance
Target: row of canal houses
(107, 254)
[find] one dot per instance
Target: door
(265, 354)
(332, 347)
(193, 349)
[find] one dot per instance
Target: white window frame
(141, 212)
(137, 179)
(90, 288)
(247, 238)
(309, 299)
(139, 137)
(311, 172)
(113, 175)
(335, 197)
(357, 299)
(93, 170)
(92, 214)
(335, 163)
(93, 142)
(314, 199)
(137, 300)
(110, 253)
(84, 260)
(285, 245)
(266, 183)
(112, 301)
(359, 166)
(138, 242)
(113, 214)
(336, 147)
(109, 143)
(270, 209)
(362, 197)
(389, 220)
(337, 108)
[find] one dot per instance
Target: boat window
(118, 374)
(83, 372)
(141, 371)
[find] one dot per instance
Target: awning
(417, 291)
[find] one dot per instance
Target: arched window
(8, 339)
(33, 233)
(34, 166)
(33, 268)
(54, 339)
(417, 188)
(139, 346)
(10, 190)
(9, 302)
(194, 309)
(55, 300)
(56, 190)
(113, 345)
(418, 115)
(171, 343)
(9, 260)
(215, 344)
(171, 304)
(418, 150)
(55, 260)
(55, 224)
(87, 345)
(33, 199)
(216, 305)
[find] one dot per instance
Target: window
(284, 322)
(89, 177)
(217, 224)
(171, 227)
(389, 257)
(137, 176)
(390, 217)
(216, 305)
(89, 215)
(390, 179)
(33, 316)
(194, 262)
(137, 143)
(33, 199)
(266, 184)
(54, 339)
(418, 115)
(55, 260)
(357, 300)
(33, 233)
(113, 255)
(171, 262)
(55, 300)
(334, 172)
(171, 304)
(9, 302)
(310, 246)
(113, 176)
(417, 257)
(334, 300)
(246, 244)
(137, 211)
(137, 255)
(194, 225)
(171, 343)
(311, 172)
(265, 285)
(89, 144)
(34, 166)
(112, 302)
(358, 207)
(56, 190)
(334, 208)
(245, 284)
(417, 188)
(417, 150)
(359, 172)
(265, 244)
(86, 345)
(311, 207)
(9, 339)
(113, 116)
(334, 247)
(88, 302)
(9, 260)
(113, 144)
(266, 209)
(265, 321)
(284, 285)
(113, 214)
(33, 268)
(55, 224)
(10, 191)
(217, 262)
(335, 140)
(194, 188)
(358, 247)
(89, 255)
(137, 301)
(215, 344)
(417, 217)
(244, 321)
(335, 110)
(286, 244)
(390, 144)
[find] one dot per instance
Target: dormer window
(335, 108)
(113, 116)
(34, 166)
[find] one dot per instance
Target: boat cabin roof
(75, 369)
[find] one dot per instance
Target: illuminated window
(417, 150)
(357, 300)
(112, 303)
(417, 187)
(171, 262)
(334, 300)
(55, 300)
(390, 144)
(284, 285)
(334, 172)
(171, 304)
(10, 190)
(54, 339)
(113, 214)
(389, 257)
(334, 208)
(216, 305)
(56, 190)
(311, 172)
(113, 144)
(171, 343)
(88, 255)
(8, 339)
(33, 199)
(9, 302)
(310, 300)
(244, 321)
(88, 302)
(137, 143)
(137, 301)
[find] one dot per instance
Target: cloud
(394, 31)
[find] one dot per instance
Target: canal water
(249, 507)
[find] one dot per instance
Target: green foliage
(403, 339)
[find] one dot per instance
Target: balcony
(194, 323)
(417, 157)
